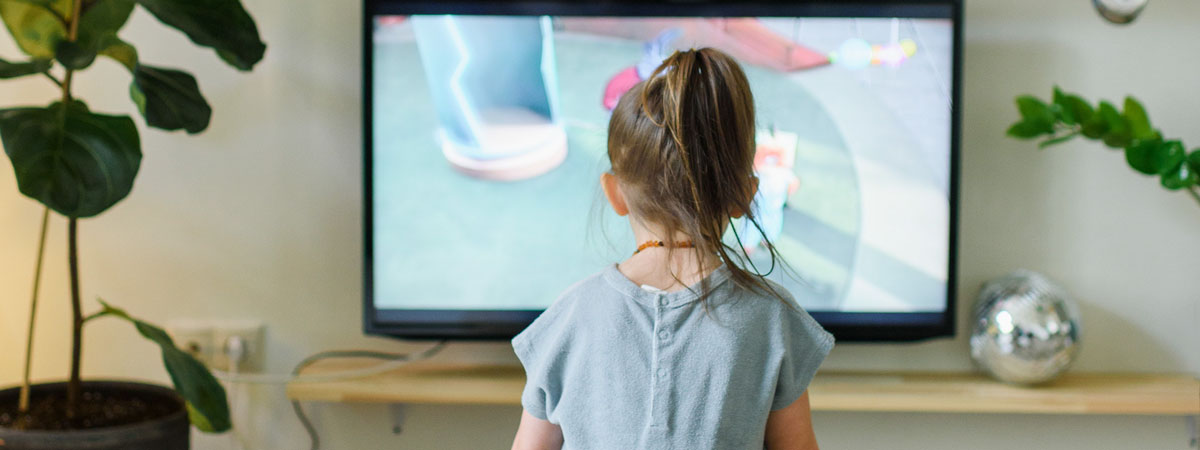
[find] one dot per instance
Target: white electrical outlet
(194, 337)
(249, 333)
(211, 342)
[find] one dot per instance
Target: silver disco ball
(1119, 11)
(1026, 329)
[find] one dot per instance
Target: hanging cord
(235, 347)
(392, 364)
(396, 360)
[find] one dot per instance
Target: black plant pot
(170, 432)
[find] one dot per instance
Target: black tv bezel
(504, 324)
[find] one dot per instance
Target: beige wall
(259, 218)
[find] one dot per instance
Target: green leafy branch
(1068, 116)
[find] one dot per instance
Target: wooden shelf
(1074, 393)
(416, 383)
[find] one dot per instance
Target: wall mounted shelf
(1074, 393)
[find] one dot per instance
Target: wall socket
(210, 341)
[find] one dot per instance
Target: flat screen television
(485, 130)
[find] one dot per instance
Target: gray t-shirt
(620, 367)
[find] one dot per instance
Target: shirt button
(664, 334)
(663, 301)
(662, 373)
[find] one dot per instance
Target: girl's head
(682, 149)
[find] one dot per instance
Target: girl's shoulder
(567, 313)
(776, 305)
(582, 295)
(777, 318)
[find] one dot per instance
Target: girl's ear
(612, 191)
(752, 190)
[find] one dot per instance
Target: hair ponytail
(683, 142)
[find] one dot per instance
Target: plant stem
(74, 385)
(23, 403)
(95, 315)
(53, 79)
(72, 35)
(1195, 194)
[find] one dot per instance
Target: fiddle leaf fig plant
(1067, 116)
(79, 163)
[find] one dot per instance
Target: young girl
(679, 346)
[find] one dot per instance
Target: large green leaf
(223, 25)
(120, 51)
(101, 20)
(69, 159)
(169, 99)
(207, 406)
(97, 32)
(41, 34)
(13, 70)
(74, 56)
(33, 26)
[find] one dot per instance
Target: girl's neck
(668, 269)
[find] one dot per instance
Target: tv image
(486, 129)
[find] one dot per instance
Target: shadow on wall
(1002, 212)
(1000, 215)
(1124, 344)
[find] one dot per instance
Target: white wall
(259, 218)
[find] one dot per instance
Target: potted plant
(1068, 116)
(78, 163)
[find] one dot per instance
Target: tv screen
(486, 137)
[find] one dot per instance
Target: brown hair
(681, 144)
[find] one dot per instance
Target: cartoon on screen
(495, 128)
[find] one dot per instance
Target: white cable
(314, 437)
(270, 378)
(235, 350)
(267, 378)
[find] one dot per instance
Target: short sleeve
(538, 348)
(805, 346)
(533, 396)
